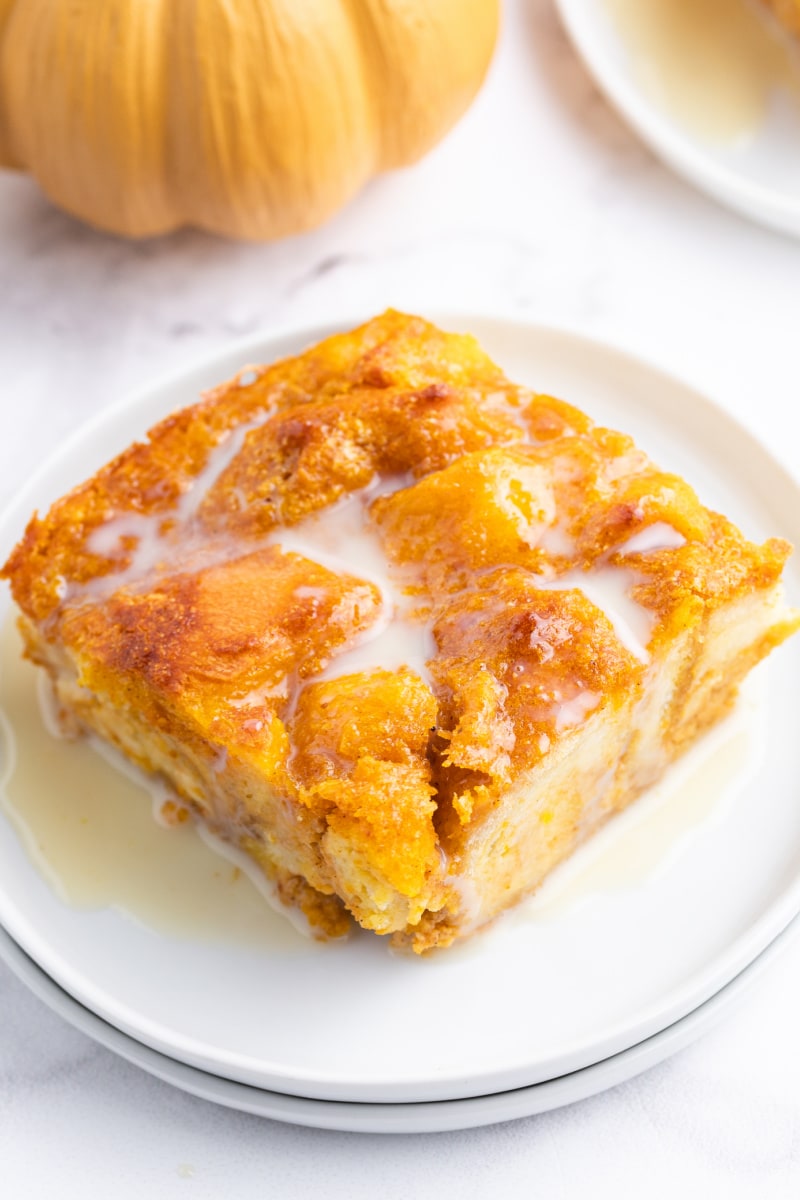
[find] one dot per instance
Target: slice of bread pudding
(403, 631)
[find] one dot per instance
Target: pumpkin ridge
(251, 118)
(425, 64)
(7, 156)
(85, 113)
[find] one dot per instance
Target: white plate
(536, 997)
(397, 1118)
(758, 176)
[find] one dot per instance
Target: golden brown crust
(212, 637)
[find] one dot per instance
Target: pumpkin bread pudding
(403, 631)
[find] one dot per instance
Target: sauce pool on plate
(89, 827)
(716, 65)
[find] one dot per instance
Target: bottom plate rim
(437, 1116)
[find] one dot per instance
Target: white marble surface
(540, 203)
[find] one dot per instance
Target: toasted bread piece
(402, 630)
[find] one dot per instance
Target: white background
(540, 203)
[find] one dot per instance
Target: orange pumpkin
(255, 118)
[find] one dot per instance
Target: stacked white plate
(641, 941)
(755, 168)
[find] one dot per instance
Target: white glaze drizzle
(658, 536)
(608, 588)
(570, 713)
(153, 544)
(507, 402)
(343, 539)
(557, 541)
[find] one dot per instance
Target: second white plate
(682, 893)
(438, 1117)
(757, 174)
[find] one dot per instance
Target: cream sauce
(85, 818)
(633, 845)
(716, 65)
